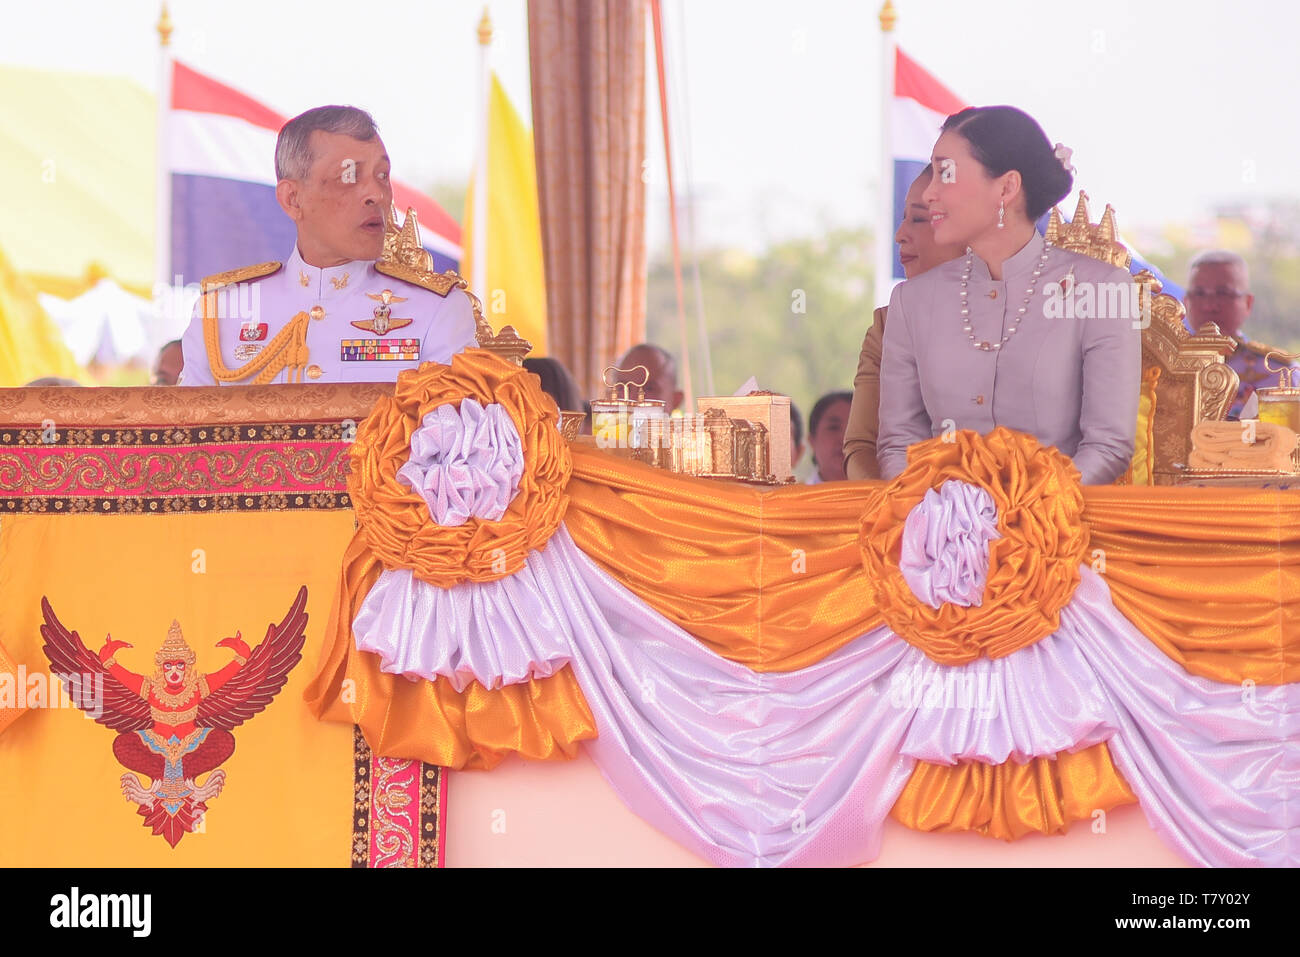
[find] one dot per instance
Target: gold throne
(1184, 378)
(405, 257)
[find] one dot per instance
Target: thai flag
(224, 214)
(920, 105)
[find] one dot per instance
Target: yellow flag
(31, 345)
(77, 162)
(515, 291)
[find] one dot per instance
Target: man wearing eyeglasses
(1218, 291)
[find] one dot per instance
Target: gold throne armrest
(1193, 383)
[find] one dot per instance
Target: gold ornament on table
(713, 443)
(622, 424)
(760, 456)
(1280, 404)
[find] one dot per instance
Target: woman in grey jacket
(1017, 333)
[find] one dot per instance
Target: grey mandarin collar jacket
(1070, 375)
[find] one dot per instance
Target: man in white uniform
(330, 313)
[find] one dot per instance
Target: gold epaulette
(440, 283)
(1257, 347)
(242, 274)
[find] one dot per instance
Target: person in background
(918, 252)
(559, 385)
(1218, 291)
(826, 422)
(663, 374)
(51, 380)
(167, 367)
(796, 436)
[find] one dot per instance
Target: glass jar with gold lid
(1280, 404)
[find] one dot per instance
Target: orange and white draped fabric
(213, 511)
(981, 644)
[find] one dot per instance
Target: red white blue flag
(919, 106)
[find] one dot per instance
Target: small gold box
(761, 408)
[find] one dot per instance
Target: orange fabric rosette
(1033, 567)
(393, 517)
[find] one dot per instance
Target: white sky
(1171, 107)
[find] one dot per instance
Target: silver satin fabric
(945, 555)
(465, 462)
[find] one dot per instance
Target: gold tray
(1189, 472)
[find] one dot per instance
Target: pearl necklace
(1020, 313)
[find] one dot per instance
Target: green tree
(793, 315)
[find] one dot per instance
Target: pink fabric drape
(588, 85)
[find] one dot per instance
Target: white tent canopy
(108, 325)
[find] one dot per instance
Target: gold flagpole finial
(888, 17)
(164, 27)
(485, 28)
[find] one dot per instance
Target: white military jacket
(365, 326)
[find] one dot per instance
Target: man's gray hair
(1218, 257)
(293, 157)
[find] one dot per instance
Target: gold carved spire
(174, 648)
(405, 258)
(1080, 235)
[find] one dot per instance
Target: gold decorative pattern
(242, 274)
(1080, 235)
(405, 258)
(211, 405)
(391, 826)
(1195, 384)
(394, 830)
(147, 472)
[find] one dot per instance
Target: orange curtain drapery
(588, 86)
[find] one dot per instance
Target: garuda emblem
(175, 725)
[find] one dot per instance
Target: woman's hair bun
(1004, 138)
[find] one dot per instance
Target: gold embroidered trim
(440, 283)
(175, 700)
(173, 717)
(242, 274)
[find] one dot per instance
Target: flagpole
(684, 361)
(478, 276)
(162, 248)
(885, 208)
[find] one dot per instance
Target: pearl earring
(1002, 211)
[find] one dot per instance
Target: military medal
(379, 350)
(252, 332)
(383, 323)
